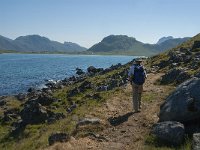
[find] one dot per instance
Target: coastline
(28, 77)
(57, 84)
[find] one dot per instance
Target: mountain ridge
(112, 44)
(37, 43)
(123, 43)
(163, 39)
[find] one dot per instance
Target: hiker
(137, 76)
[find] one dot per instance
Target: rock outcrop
(170, 132)
(175, 75)
(183, 104)
(34, 113)
(196, 141)
(58, 137)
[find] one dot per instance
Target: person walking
(137, 76)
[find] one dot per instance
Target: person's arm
(130, 74)
(145, 72)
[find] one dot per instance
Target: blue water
(18, 72)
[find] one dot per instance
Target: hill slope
(123, 44)
(36, 43)
(27, 121)
(185, 55)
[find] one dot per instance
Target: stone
(46, 100)
(11, 114)
(31, 90)
(73, 92)
(85, 85)
(86, 121)
(197, 75)
(79, 71)
(34, 94)
(163, 64)
(196, 45)
(183, 104)
(34, 113)
(53, 117)
(183, 76)
(17, 127)
(116, 66)
(170, 132)
(113, 83)
(95, 96)
(186, 51)
(93, 70)
(58, 137)
(175, 76)
(101, 88)
(21, 96)
(196, 141)
(72, 107)
(2, 102)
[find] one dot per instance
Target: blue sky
(86, 22)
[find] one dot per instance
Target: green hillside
(185, 56)
(122, 44)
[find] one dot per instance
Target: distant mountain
(170, 43)
(163, 39)
(36, 43)
(122, 44)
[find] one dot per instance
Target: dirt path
(123, 129)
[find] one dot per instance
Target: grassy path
(131, 129)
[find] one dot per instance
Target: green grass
(152, 143)
(36, 136)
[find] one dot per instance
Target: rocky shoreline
(36, 106)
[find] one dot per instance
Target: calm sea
(18, 72)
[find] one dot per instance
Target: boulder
(86, 121)
(175, 76)
(2, 102)
(196, 141)
(31, 90)
(79, 71)
(112, 83)
(73, 92)
(58, 137)
(101, 88)
(183, 76)
(93, 70)
(34, 94)
(11, 114)
(170, 132)
(163, 63)
(197, 75)
(170, 76)
(21, 96)
(17, 127)
(45, 99)
(34, 113)
(196, 45)
(53, 117)
(72, 107)
(95, 96)
(186, 51)
(183, 104)
(85, 85)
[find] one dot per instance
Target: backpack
(139, 75)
